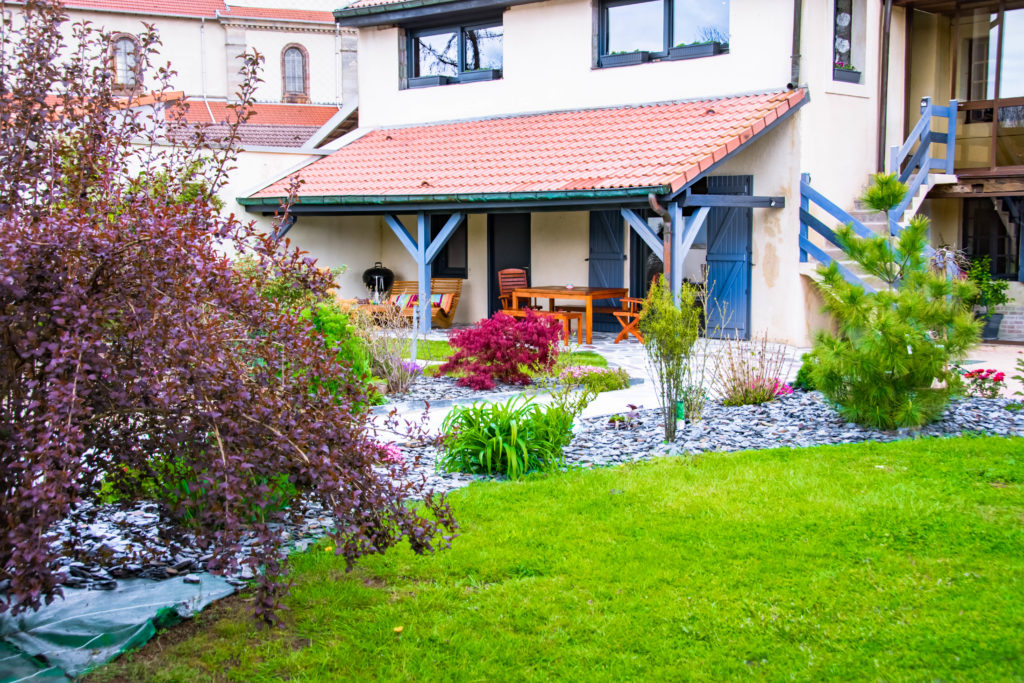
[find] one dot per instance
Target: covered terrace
(626, 161)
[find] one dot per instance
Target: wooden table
(553, 292)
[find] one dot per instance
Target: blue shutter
(730, 241)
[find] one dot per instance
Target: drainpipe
(883, 84)
(202, 65)
(666, 236)
(794, 69)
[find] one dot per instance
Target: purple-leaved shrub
(131, 343)
(501, 347)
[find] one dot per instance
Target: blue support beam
(683, 234)
(643, 230)
(423, 253)
(423, 270)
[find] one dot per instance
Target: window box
(694, 51)
(845, 75)
(479, 75)
(429, 81)
(626, 58)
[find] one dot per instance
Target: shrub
(512, 438)
(984, 383)
(130, 340)
(503, 349)
(991, 292)
(804, 378)
(595, 378)
(669, 333)
(748, 372)
(387, 338)
(890, 364)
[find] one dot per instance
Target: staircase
(915, 166)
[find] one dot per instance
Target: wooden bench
(438, 285)
(565, 317)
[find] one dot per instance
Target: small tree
(891, 362)
(133, 349)
(669, 334)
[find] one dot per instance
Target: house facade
(597, 141)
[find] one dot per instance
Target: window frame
(460, 30)
(119, 85)
(669, 50)
(292, 95)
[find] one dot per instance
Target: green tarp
(70, 637)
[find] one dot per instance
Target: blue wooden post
(423, 269)
(675, 211)
(951, 137)
(805, 207)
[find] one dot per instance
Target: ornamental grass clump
(748, 372)
(503, 349)
(891, 362)
(513, 438)
(132, 343)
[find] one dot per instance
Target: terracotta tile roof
(372, 3)
(657, 145)
(306, 115)
(180, 8)
(278, 14)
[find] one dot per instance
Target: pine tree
(890, 364)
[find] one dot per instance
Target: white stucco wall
(549, 64)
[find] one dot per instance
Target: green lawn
(875, 561)
(432, 349)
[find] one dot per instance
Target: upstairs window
(126, 63)
(455, 54)
(295, 74)
(634, 31)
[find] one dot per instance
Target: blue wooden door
(607, 254)
(730, 238)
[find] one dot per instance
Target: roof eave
(415, 10)
(476, 201)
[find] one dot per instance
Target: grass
(870, 561)
(429, 349)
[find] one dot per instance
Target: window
(126, 62)
(455, 54)
(452, 260)
(990, 87)
(295, 74)
(673, 29)
(848, 40)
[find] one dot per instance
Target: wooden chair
(629, 319)
(508, 280)
(438, 285)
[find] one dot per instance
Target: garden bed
(801, 419)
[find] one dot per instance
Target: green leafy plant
(694, 399)
(890, 364)
(804, 379)
(885, 192)
(598, 379)
(512, 438)
(670, 332)
(991, 292)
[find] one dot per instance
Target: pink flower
(392, 455)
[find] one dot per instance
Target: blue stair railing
(912, 161)
(913, 166)
(808, 222)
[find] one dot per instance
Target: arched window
(126, 62)
(296, 73)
